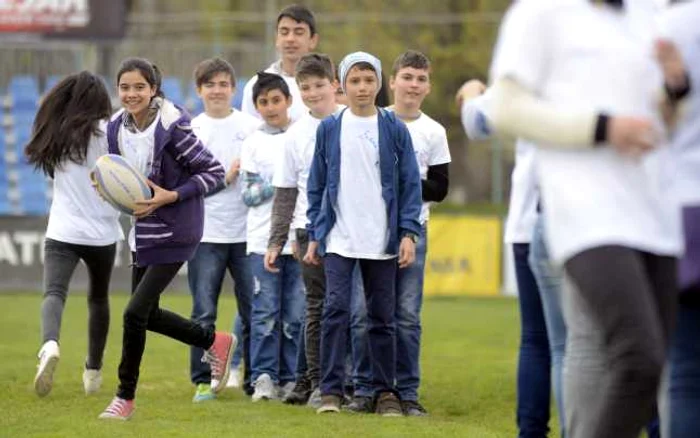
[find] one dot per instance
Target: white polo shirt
(585, 56)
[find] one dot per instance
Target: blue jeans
(237, 357)
(276, 319)
(380, 292)
(534, 362)
(360, 367)
(205, 274)
(409, 300)
(549, 282)
(684, 385)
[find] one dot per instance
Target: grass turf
(468, 370)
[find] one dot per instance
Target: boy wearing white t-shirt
(278, 299)
(222, 130)
(364, 207)
(316, 79)
(410, 84)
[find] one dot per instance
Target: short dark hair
(300, 14)
(411, 58)
(148, 70)
(315, 64)
(267, 82)
(209, 68)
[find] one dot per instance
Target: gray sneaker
(411, 408)
(315, 399)
(265, 388)
(360, 405)
(285, 390)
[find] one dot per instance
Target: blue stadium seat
(173, 90)
(24, 90)
(5, 206)
(238, 97)
(51, 81)
(196, 106)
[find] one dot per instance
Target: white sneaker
(234, 378)
(265, 388)
(48, 358)
(92, 381)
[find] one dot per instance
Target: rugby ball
(120, 183)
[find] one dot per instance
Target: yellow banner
(464, 256)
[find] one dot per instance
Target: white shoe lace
(117, 407)
(215, 363)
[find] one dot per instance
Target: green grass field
(468, 359)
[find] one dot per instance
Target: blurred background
(40, 41)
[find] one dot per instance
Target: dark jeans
(379, 278)
(143, 313)
(684, 379)
(315, 283)
(629, 297)
(60, 260)
(205, 274)
(534, 361)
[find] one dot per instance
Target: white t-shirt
(679, 23)
(294, 165)
(296, 111)
(361, 227)
(78, 215)
(259, 155)
(591, 57)
(225, 214)
(137, 149)
(429, 140)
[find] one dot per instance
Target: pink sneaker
(119, 409)
(219, 356)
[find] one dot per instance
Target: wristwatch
(414, 237)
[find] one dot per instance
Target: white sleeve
(247, 105)
(248, 155)
(285, 170)
(474, 117)
(439, 148)
(523, 50)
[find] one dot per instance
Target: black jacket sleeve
(435, 187)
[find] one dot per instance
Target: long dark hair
(148, 70)
(67, 118)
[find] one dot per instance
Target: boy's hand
(233, 171)
(407, 252)
(270, 259)
(469, 90)
(631, 136)
(295, 251)
(672, 65)
(311, 257)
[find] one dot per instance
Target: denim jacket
(399, 174)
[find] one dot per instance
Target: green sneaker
(203, 393)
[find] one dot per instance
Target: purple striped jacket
(180, 163)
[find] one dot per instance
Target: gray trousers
(619, 306)
(60, 261)
(315, 283)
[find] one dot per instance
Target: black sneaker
(388, 405)
(412, 408)
(360, 405)
(300, 394)
(329, 404)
